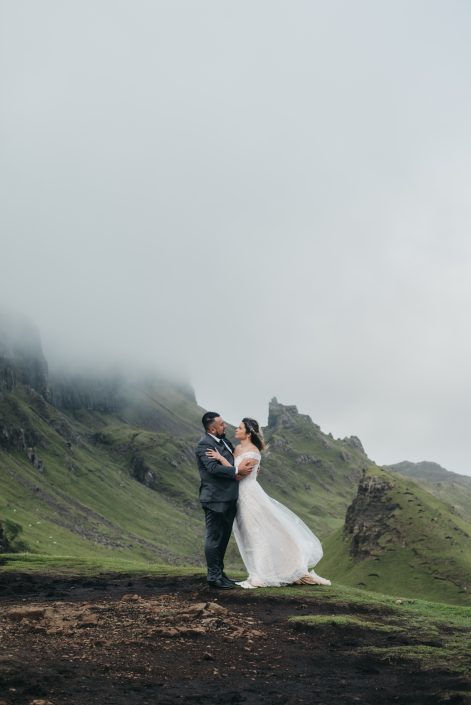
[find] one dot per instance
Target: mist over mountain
(101, 464)
(290, 219)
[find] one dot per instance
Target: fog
(270, 197)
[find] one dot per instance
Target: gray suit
(219, 491)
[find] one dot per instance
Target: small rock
(88, 620)
(191, 631)
(166, 631)
(20, 613)
(214, 607)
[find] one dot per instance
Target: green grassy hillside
(115, 492)
(102, 469)
(398, 538)
(86, 499)
(106, 485)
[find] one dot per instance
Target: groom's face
(218, 426)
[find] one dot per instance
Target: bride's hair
(256, 435)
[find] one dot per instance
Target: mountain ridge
(103, 466)
(450, 487)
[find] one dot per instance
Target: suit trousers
(219, 518)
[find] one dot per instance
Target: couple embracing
(276, 546)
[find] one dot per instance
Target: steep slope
(448, 486)
(81, 488)
(400, 539)
(72, 478)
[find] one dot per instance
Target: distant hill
(448, 486)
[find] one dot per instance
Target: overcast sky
(273, 197)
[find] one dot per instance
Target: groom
(219, 491)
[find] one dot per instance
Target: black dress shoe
(229, 580)
(221, 584)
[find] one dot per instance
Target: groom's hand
(245, 467)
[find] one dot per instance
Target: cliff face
(144, 399)
(21, 356)
(75, 392)
(370, 517)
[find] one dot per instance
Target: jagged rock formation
(354, 442)
(283, 416)
(369, 517)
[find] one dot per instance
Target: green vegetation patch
(342, 622)
(451, 658)
(73, 565)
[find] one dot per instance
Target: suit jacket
(218, 482)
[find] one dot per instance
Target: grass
(343, 622)
(71, 565)
(423, 549)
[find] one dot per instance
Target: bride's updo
(256, 435)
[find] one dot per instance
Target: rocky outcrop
(369, 517)
(144, 473)
(282, 416)
(354, 442)
(9, 531)
(16, 429)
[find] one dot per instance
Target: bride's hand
(215, 455)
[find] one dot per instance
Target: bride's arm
(216, 455)
(214, 467)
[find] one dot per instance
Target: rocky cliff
(370, 517)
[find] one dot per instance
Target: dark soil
(128, 641)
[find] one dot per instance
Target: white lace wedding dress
(276, 546)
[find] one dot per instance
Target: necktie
(225, 444)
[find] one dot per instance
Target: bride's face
(240, 432)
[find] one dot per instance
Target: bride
(276, 546)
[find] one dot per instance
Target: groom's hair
(208, 419)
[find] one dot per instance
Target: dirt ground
(133, 641)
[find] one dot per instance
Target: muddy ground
(155, 640)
